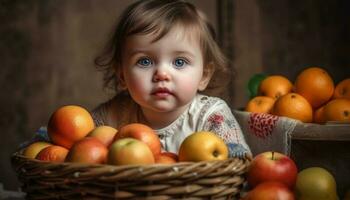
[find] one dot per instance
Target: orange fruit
(342, 90)
(69, 124)
(53, 153)
(337, 110)
(260, 104)
(316, 85)
(319, 115)
(275, 86)
(294, 106)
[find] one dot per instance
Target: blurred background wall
(47, 49)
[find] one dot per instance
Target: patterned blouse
(204, 114)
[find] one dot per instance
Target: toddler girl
(161, 58)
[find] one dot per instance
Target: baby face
(163, 75)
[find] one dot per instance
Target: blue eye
(144, 62)
(179, 62)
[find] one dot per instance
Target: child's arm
(222, 122)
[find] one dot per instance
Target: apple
(203, 146)
(88, 150)
(53, 153)
(128, 151)
(166, 158)
(272, 166)
(143, 133)
(270, 191)
(315, 183)
(105, 134)
(33, 149)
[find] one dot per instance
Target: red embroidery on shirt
(261, 124)
(216, 119)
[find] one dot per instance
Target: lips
(162, 92)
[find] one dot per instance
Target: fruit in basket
(294, 106)
(319, 115)
(337, 110)
(33, 149)
(275, 86)
(53, 153)
(315, 183)
(88, 150)
(128, 151)
(143, 133)
(270, 191)
(272, 166)
(253, 84)
(260, 104)
(342, 89)
(69, 124)
(203, 146)
(105, 134)
(315, 84)
(166, 158)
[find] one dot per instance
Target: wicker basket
(184, 180)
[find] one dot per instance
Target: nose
(161, 75)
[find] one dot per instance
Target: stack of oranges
(312, 98)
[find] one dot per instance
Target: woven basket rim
(66, 180)
(19, 156)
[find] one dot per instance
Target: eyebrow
(185, 52)
(137, 51)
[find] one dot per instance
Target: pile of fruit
(273, 175)
(74, 138)
(312, 98)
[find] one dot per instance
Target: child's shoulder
(203, 104)
(205, 101)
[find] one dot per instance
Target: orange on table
(260, 104)
(316, 85)
(275, 86)
(319, 115)
(342, 89)
(337, 110)
(53, 153)
(294, 106)
(33, 149)
(69, 124)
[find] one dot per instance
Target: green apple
(315, 183)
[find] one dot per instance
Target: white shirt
(204, 114)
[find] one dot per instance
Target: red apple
(128, 151)
(143, 133)
(88, 150)
(272, 166)
(270, 191)
(52, 153)
(166, 158)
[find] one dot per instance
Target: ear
(207, 74)
(120, 79)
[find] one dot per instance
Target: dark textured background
(47, 49)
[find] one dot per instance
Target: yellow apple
(203, 146)
(128, 151)
(105, 134)
(316, 183)
(33, 149)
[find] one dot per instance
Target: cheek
(188, 86)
